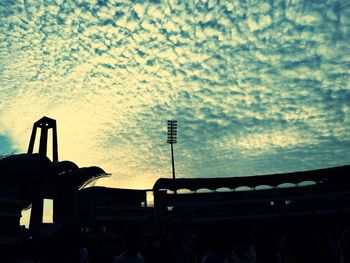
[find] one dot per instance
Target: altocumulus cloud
(257, 86)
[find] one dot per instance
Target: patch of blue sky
(6, 147)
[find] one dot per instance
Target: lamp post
(171, 139)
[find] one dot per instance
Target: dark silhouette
(171, 139)
(305, 222)
(133, 245)
(44, 124)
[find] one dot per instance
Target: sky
(257, 87)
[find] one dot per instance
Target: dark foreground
(311, 241)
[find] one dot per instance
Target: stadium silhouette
(292, 217)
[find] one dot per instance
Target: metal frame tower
(171, 139)
(45, 123)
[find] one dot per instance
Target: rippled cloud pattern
(257, 86)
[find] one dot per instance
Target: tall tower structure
(45, 123)
(171, 139)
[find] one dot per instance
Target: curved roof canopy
(35, 174)
(336, 174)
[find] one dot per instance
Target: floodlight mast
(171, 139)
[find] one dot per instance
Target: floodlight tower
(172, 138)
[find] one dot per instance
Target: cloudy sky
(257, 86)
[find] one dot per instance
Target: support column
(36, 214)
(32, 140)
